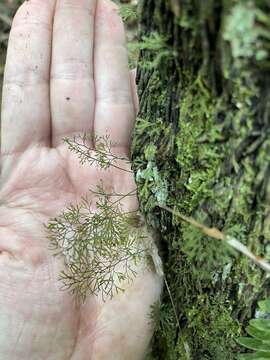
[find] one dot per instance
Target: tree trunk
(202, 146)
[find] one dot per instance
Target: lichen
(153, 182)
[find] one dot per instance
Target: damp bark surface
(202, 146)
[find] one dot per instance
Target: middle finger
(72, 81)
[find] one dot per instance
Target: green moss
(220, 331)
(198, 154)
(156, 45)
(127, 12)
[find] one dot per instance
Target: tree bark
(202, 146)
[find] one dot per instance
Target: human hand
(66, 74)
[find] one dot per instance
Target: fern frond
(102, 156)
(101, 244)
(101, 248)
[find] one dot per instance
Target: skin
(66, 73)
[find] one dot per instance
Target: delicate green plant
(101, 248)
(101, 156)
(100, 243)
(259, 331)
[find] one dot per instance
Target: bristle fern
(100, 248)
(100, 243)
(101, 157)
(259, 331)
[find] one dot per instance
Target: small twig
(217, 234)
(186, 347)
(173, 304)
(244, 250)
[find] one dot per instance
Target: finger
(25, 101)
(135, 97)
(72, 81)
(115, 113)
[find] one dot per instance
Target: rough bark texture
(202, 146)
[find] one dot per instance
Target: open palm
(66, 74)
